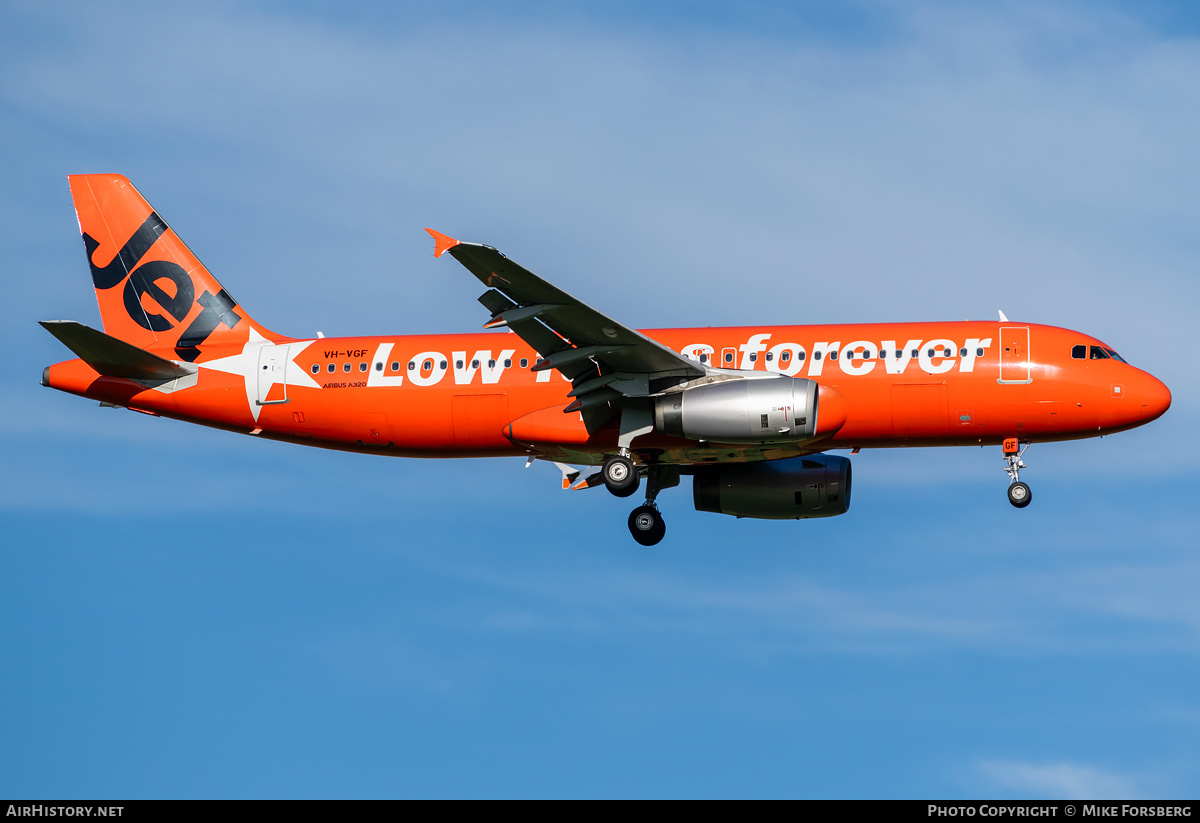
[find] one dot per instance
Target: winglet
(1003, 319)
(441, 242)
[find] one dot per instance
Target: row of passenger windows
(865, 354)
(426, 366)
(1094, 353)
(784, 357)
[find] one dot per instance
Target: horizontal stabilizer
(112, 357)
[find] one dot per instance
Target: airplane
(748, 412)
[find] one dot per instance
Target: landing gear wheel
(620, 476)
(646, 525)
(1019, 495)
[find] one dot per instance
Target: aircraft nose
(1153, 396)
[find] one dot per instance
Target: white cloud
(1067, 781)
(1067, 602)
(382, 661)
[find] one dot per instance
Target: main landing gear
(622, 478)
(1018, 493)
(646, 525)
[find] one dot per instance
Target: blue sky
(190, 613)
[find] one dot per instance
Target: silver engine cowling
(802, 487)
(741, 411)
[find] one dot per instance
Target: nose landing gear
(1018, 493)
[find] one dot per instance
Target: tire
(620, 476)
(1019, 495)
(646, 525)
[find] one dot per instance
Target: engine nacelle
(802, 487)
(741, 411)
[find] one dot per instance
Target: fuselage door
(1014, 354)
(272, 374)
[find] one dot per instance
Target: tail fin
(153, 292)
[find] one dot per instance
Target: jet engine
(802, 487)
(741, 411)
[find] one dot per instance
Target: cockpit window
(1115, 356)
(1098, 353)
(1079, 352)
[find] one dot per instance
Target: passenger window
(332, 368)
(929, 352)
(979, 352)
(770, 357)
(816, 355)
(728, 357)
(704, 358)
(411, 365)
(346, 367)
(915, 353)
(833, 355)
(443, 365)
(962, 352)
(800, 355)
(1098, 353)
(753, 357)
(474, 364)
(491, 364)
(378, 367)
(508, 364)
(362, 366)
(395, 365)
(316, 369)
(458, 364)
(524, 362)
(784, 356)
(427, 365)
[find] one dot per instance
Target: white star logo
(249, 363)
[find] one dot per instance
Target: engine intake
(742, 411)
(802, 487)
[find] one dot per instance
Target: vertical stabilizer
(153, 292)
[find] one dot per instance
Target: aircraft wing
(605, 360)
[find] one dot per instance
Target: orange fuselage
(474, 395)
